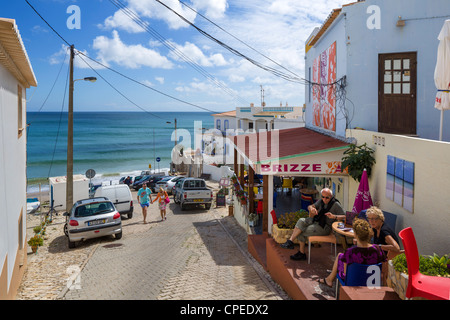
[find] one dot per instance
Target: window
(218, 124)
(226, 125)
(397, 76)
(19, 111)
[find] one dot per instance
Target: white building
(16, 75)
(381, 54)
(269, 118)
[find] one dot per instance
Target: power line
(48, 24)
(129, 78)
(236, 52)
(140, 83)
(246, 44)
(133, 16)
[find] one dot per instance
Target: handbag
(166, 200)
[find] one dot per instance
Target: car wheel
(66, 231)
(130, 215)
(208, 206)
(118, 236)
(183, 207)
(71, 244)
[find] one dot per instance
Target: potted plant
(428, 265)
(37, 229)
(356, 159)
(35, 242)
(252, 219)
(282, 231)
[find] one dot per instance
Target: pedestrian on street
(144, 196)
(161, 197)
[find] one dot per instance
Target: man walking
(144, 196)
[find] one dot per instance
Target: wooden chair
(331, 238)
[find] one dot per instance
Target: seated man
(322, 214)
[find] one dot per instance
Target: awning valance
(296, 151)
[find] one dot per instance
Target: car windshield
(165, 179)
(94, 208)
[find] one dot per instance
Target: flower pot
(397, 280)
(280, 235)
(34, 249)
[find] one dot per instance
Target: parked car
(150, 180)
(120, 195)
(92, 218)
(176, 187)
(193, 192)
(128, 180)
(168, 183)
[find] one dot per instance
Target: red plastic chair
(419, 285)
(274, 217)
(259, 209)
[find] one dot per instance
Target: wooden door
(397, 109)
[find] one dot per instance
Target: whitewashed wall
(430, 220)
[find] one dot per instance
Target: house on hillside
(16, 75)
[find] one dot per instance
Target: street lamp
(173, 165)
(69, 180)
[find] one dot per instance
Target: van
(120, 196)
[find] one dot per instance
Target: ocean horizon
(114, 144)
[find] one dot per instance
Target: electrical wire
(136, 81)
(145, 26)
(246, 44)
(236, 52)
(129, 78)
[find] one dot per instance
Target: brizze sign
(327, 167)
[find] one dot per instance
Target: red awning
(287, 143)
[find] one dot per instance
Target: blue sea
(114, 144)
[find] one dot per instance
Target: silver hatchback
(92, 218)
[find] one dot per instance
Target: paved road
(191, 255)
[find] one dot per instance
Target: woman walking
(162, 197)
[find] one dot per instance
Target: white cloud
(153, 10)
(195, 54)
(130, 56)
(160, 79)
(213, 8)
(120, 20)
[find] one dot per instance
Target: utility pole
(69, 179)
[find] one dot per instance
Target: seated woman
(383, 235)
(364, 252)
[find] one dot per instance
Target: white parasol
(442, 73)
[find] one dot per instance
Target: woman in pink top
(161, 197)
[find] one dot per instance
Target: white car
(168, 183)
(92, 218)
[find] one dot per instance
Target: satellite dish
(90, 173)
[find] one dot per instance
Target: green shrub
(428, 265)
(289, 219)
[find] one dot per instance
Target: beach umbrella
(442, 73)
(363, 200)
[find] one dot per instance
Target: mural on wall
(400, 182)
(324, 98)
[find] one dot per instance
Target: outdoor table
(347, 231)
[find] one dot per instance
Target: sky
(158, 62)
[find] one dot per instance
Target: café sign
(304, 168)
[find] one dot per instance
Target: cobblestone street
(195, 255)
